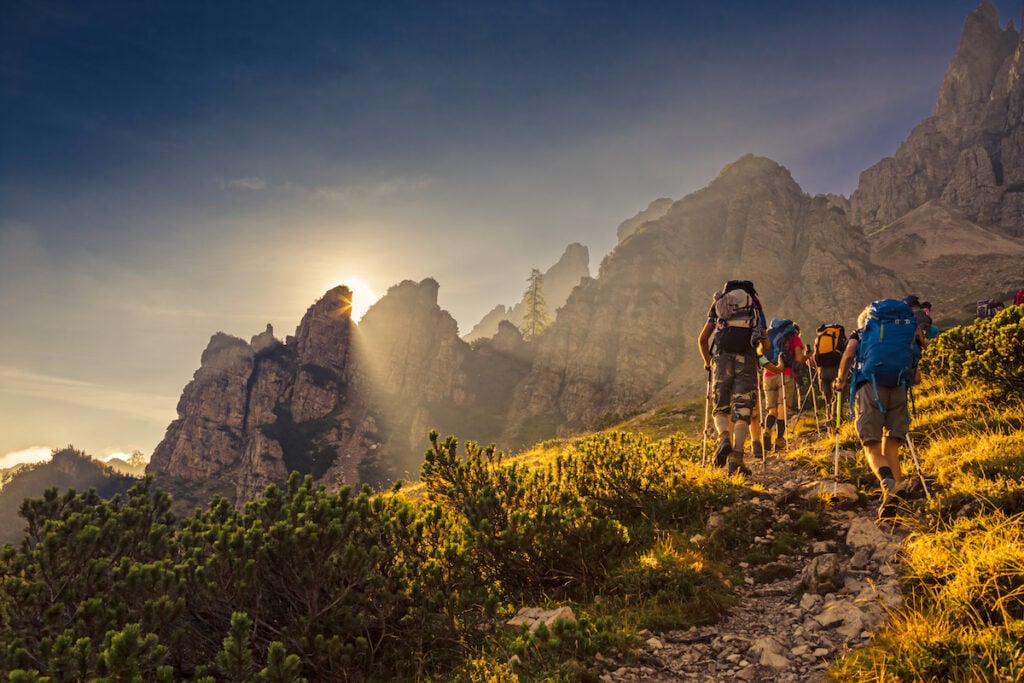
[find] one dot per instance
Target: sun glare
(363, 295)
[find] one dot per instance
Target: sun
(363, 295)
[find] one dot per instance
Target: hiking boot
(767, 439)
(735, 463)
(722, 452)
(758, 450)
(780, 444)
(888, 506)
(890, 499)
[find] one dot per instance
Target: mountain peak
(750, 166)
(984, 48)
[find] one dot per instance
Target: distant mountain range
(349, 404)
(67, 469)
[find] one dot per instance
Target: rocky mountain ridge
(970, 153)
(351, 403)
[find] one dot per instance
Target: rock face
(970, 153)
(558, 282)
(949, 260)
(628, 338)
(256, 411)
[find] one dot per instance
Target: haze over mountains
(348, 403)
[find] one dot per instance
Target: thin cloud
(248, 184)
(148, 407)
(369, 191)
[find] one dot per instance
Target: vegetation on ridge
(417, 583)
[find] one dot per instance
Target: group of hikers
(988, 308)
(752, 367)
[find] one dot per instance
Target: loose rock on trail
(776, 631)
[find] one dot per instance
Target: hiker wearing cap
(785, 352)
(880, 360)
(727, 342)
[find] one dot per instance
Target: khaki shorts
(871, 420)
(773, 390)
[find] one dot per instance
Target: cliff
(970, 153)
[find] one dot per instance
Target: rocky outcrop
(557, 283)
(970, 153)
(627, 338)
(256, 411)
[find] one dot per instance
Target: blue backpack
(780, 335)
(887, 354)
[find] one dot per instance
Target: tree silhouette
(535, 318)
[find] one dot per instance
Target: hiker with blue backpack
(880, 363)
(728, 341)
(784, 352)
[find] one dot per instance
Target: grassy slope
(964, 568)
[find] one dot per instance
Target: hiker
(924, 320)
(829, 344)
(933, 329)
(727, 343)
(786, 351)
(988, 308)
(881, 361)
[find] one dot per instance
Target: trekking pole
(785, 404)
(917, 463)
(707, 408)
(760, 418)
(835, 466)
(814, 398)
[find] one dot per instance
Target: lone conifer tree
(535, 318)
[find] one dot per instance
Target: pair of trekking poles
(910, 444)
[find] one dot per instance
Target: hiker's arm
(846, 364)
(704, 343)
(922, 338)
(800, 352)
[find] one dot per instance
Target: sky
(169, 170)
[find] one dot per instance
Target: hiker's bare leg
(891, 457)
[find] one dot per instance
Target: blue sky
(173, 169)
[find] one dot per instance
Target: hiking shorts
(871, 421)
(735, 384)
(773, 390)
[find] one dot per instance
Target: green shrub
(989, 351)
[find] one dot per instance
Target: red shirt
(795, 342)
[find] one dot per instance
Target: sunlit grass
(963, 566)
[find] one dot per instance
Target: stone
(822, 574)
(533, 617)
(864, 533)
